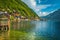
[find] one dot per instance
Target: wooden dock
(4, 25)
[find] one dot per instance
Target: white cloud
(38, 7)
(43, 13)
(32, 4)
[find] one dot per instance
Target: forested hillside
(18, 6)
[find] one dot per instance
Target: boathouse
(4, 21)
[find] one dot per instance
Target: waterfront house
(4, 21)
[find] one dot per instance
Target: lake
(32, 30)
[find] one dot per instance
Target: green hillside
(17, 5)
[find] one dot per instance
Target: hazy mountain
(54, 16)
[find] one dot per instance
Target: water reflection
(26, 26)
(32, 30)
(4, 35)
(49, 30)
(45, 28)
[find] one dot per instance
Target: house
(4, 21)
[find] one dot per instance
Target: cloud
(43, 13)
(37, 8)
(33, 2)
(40, 7)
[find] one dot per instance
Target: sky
(43, 7)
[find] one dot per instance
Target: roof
(5, 13)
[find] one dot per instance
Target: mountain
(17, 5)
(54, 16)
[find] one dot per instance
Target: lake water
(32, 30)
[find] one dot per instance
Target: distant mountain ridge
(54, 16)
